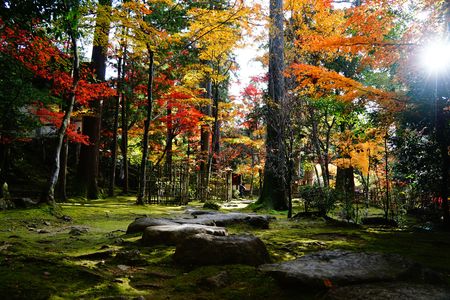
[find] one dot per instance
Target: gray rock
(221, 219)
(217, 281)
(176, 233)
(198, 212)
(140, 224)
(78, 230)
(340, 267)
(204, 249)
(129, 257)
(397, 290)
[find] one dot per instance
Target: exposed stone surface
(341, 268)
(78, 230)
(217, 281)
(220, 219)
(176, 233)
(396, 290)
(140, 224)
(198, 212)
(203, 217)
(205, 249)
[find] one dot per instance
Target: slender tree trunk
(143, 170)
(205, 147)
(216, 131)
(49, 192)
(124, 124)
(320, 156)
(169, 144)
(386, 170)
(63, 171)
(273, 194)
(112, 178)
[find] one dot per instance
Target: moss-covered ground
(40, 259)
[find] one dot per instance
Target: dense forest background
(106, 97)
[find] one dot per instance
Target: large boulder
(204, 249)
(140, 224)
(221, 219)
(175, 233)
(391, 290)
(338, 267)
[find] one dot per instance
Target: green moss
(40, 259)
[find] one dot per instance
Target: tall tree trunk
(205, 146)
(169, 144)
(386, 170)
(216, 131)
(112, 177)
(443, 136)
(273, 194)
(124, 124)
(147, 122)
(49, 192)
(63, 171)
(89, 155)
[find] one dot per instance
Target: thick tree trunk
(49, 192)
(273, 194)
(443, 136)
(89, 156)
(147, 122)
(345, 183)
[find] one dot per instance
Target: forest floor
(73, 257)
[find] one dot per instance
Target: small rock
(118, 280)
(217, 281)
(78, 230)
(66, 218)
(42, 231)
(129, 257)
(46, 273)
(47, 223)
(123, 267)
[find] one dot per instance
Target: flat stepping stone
(176, 233)
(338, 267)
(221, 219)
(204, 249)
(396, 290)
(140, 224)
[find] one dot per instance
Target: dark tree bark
(147, 122)
(89, 154)
(205, 146)
(169, 144)
(273, 194)
(443, 131)
(49, 192)
(215, 143)
(63, 171)
(112, 178)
